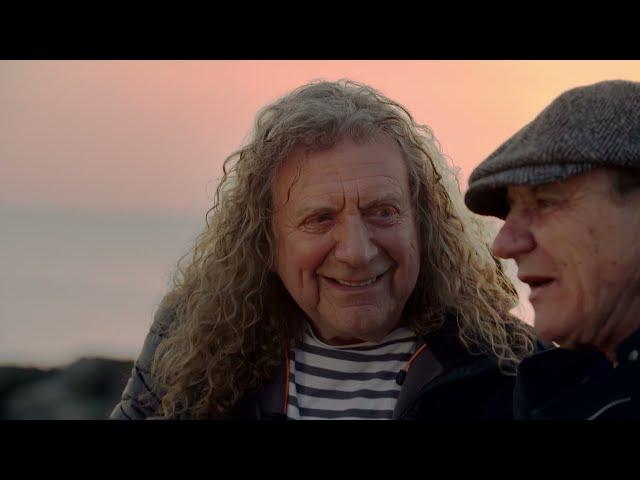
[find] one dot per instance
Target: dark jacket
(580, 385)
(444, 382)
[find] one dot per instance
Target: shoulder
(141, 398)
(448, 347)
(162, 322)
(476, 390)
(471, 384)
(575, 385)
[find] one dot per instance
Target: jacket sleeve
(140, 398)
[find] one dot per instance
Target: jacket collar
(572, 384)
(445, 359)
(629, 349)
(424, 369)
(272, 397)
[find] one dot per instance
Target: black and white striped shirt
(349, 382)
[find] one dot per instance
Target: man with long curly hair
(339, 277)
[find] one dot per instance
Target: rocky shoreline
(88, 389)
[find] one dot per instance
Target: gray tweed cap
(584, 128)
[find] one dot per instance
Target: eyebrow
(511, 197)
(317, 206)
(547, 188)
(385, 198)
(331, 206)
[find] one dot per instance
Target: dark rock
(88, 389)
(13, 377)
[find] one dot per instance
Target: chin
(366, 330)
(552, 328)
(359, 333)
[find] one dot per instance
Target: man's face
(347, 245)
(577, 245)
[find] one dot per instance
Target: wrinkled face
(347, 246)
(577, 245)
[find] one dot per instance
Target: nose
(353, 243)
(514, 238)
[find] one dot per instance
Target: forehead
(369, 169)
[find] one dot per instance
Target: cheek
(588, 269)
(301, 255)
(568, 252)
(587, 289)
(403, 248)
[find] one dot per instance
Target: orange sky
(118, 157)
(151, 135)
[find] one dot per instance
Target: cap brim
(488, 195)
(488, 201)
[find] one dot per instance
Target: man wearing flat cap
(567, 186)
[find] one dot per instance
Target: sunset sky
(107, 168)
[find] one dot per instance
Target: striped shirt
(350, 382)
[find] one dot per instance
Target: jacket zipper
(402, 374)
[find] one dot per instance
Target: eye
(542, 203)
(383, 213)
(322, 218)
(318, 222)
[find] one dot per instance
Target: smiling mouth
(536, 281)
(539, 283)
(352, 283)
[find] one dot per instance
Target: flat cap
(586, 127)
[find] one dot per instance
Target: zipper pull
(402, 374)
